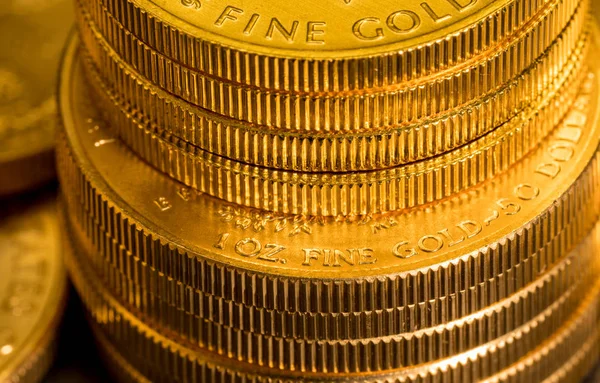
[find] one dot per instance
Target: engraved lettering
(251, 24)
(258, 220)
(509, 208)
(162, 203)
(399, 251)
(561, 152)
(376, 227)
(470, 228)
(228, 14)
(184, 193)
(393, 21)
(526, 192)
(430, 243)
(338, 258)
(222, 240)
(359, 32)
(432, 14)
(495, 215)
(313, 33)
(248, 247)
(451, 240)
(276, 24)
(550, 169)
(365, 256)
(310, 255)
(196, 4)
(269, 255)
(332, 258)
(570, 133)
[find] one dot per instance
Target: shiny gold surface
(264, 192)
(195, 130)
(163, 210)
(497, 81)
(32, 289)
(146, 346)
(31, 42)
(186, 31)
(330, 194)
(564, 282)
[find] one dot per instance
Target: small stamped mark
(259, 220)
(162, 203)
(195, 4)
(253, 248)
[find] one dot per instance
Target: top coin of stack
(214, 94)
(321, 127)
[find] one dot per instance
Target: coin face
(302, 246)
(32, 37)
(335, 28)
(32, 287)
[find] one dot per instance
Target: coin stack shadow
(415, 215)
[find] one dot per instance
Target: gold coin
(569, 355)
(149, 347)
(539, 366)
(357, 193)
(294, 263)
(151, 292)
(122, 90)
(439, 336)
(320, 47)
(32, 289)
(501, 81)
(30, 49)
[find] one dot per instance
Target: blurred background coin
(32, 287)
(32, 35)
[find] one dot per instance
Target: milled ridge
(572, 370)
(490, 359)
(180, 307)
(552, 354)
(290, 294)
(504, 74)
(405, 350)
(167, 116)
(552, 17)
(332, 194)
(301, 74)
(565, 282)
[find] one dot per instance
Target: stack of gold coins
(334, 191)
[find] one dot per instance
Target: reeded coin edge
(404, 109)
(118, 224)
(275, 72)
(192, 130)
(528, 41)
(143, 241)
(359, 193)
(104, 306)
(130, 275)
(455, 335)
